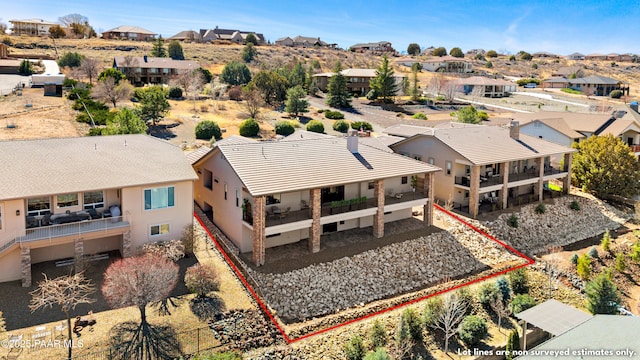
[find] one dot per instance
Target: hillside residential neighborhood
(216, 194)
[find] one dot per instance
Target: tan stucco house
(266, 194)
(74, 197)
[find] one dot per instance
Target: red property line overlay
(289, 340)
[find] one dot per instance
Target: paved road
(9, 82)
(550, 98)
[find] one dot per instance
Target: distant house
(152, 70)
(236, 36)
(358, 80)
(186, 35)
(303, 41)
(595, 56)
(575, 56)
(486, 87)
(126, 32)
(486, 168)
(569, 71)
(447, 64)
(377, 48)
(620, 57)
(474, 52)
(33, 27)
(544, 54)
(590, 85)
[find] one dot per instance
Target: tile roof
(195, 156)
(559, 125)
(601, 123)
(284, 166)
(482, 80)
(481, 144)
(596, 80)
(447, 58)
(304, 134)
(55, 166)
(157, 62)
(131, 29)
(186, 35)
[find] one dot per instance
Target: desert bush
(488, 65)
(379, 354)
(621, 263)
(635, 252)
(513, 221)
(377, 336)
(492, 54)
(519, 281)
(333, 115)
(354, 349)
(488, 293)
(208, 129)
(315, 126)
(574, 259)
(235, 93)
(70, 59)
(357, 125)
(521, 302)
(249, 128)
(575, 205)
(593, 253)
(420, 116)
(616, 94)
(201, 279)
(483, 116)
(175, 92)
(606, 241)
(415, 325)
(284, 128)
(172, 249)
(472, 330)
(540, 208)
(341, 126)
(432, 310)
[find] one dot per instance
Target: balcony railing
(76, 228)
(634, 148)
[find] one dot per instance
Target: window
(417, 157)
(38, 206)
(66, 200)
(370, 186)
(432, 161)
(448, 166)
(404, 180)
(159, 198)
(93, 199)
(225, 191)
(237, 198)
(273, 199)
(157, 230)
(206, 179)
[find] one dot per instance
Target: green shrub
(220, 356)
(341, 126)
(483, 116)
(403, 333)
(602, 295)
(96, 131)
(377, 336)
(333, 115)
(413, 322)
(207, 129)
(201, 279)
(354, 349)
(70, 59)
(315, 126)
(519, 281)
(25, 68)
(584, 267)
(466, 297)
(575, 205)
(521, 302)
(472, 330)
(249, 128)
(574, 259)
(513, 221)
(420, 116)
(284, 128)
(175, 93)
(606, 241)
(503, 286)
(525, 81)
(616, 94)
(513, 344)
(621, 264)
(379, 354)
(512, 58)
(593, 253)
(635, 252)
(372, 95)
(489, 64)
(540, 208)
(432, 310)
(488, 293)
(365, 126)
(571, 91)
(322, 110)
(68, 82)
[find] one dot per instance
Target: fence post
(198, 348)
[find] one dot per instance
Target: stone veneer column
(540, 166)
(474, 191)
(126, 244)
(25, 264)
(314, 230)
(505, 184)
(378, 217)
(566, 182)
(427, 189)
(79, 256)
(259, 220)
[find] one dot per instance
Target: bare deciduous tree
(66, 292)
(128, 65)
(454, 310)
(436, 84)
(108, 90)
(3, 27)
(552, 268)
(90, 68)
(253, 101)
(500, 309)
(172, 249)
(71, 19)
(138, 281)
(192, 82)
(449, 90)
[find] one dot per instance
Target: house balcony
(635, 148)
(63, 233)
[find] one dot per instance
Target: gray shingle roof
(157, 62)
(284, 166)
(554, 317)
(55, 166)
(481, 144)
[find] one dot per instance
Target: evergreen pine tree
(384, 84)
(602, 295)
(158, 48)
(338, 96)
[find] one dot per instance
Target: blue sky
(562, 26)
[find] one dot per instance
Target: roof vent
(352, 141)
(514, 130)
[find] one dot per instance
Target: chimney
(352, 141)
(514, 130)
(145, 58)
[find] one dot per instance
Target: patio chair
(494, 197)
(303, 205)
(283, 214)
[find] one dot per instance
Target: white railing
(76, 228)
